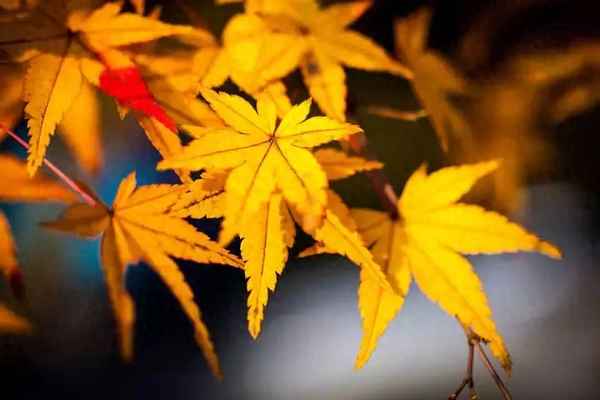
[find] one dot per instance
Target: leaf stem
(71, 184)
(379, 180)
(486, 361)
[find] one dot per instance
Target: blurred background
(537, 70)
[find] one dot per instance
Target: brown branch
(379, 180)
(474, 343)
(486, 361)
(194, 16)
(468, 380)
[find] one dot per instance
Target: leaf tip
(32, 166)
(360, 361)
(550, 250)
(254, 327)
(163, 165)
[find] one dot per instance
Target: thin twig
(470, 366)
(468, 380)
(380, 182)
(71, 184)
(486, 361)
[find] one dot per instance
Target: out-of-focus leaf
(274, 38)
(434, 79)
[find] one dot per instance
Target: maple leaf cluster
(265, 165)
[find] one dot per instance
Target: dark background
(547, 310)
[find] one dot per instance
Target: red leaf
(128, 87)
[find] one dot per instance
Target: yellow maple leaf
(205, 63)
(205, 199)
(338, 235)
(272, 175)
(80, 128)
(141, 227)
(269, 234)
(54, 38)
(255, 54)
(265, 251)
(264, 156)
(425, 244)
(163, 139)
(265, 241)
(434, 79)
(273, 38)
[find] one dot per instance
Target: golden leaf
(141, 227)
(256, 54)
(265, 252)
(338, 234)
(263, 158)
(425, 243)
(270, 172)
(53, 81)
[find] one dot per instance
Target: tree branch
(468, 380)
(486, 361)
(379, 180)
